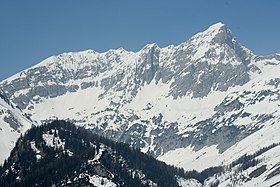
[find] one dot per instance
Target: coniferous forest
(72, 158)
(62, 154)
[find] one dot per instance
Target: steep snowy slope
(255, 105)
(203, 103)
(12, 123)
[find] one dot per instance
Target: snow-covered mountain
(203, 103)
(12, 124)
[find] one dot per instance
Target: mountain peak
(216, 33)
(150, 46)
(216, 27)
(217, 44)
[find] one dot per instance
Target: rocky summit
(203, 103)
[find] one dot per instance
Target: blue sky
(33, 30)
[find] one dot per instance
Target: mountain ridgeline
(211, 60)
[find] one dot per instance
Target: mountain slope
(13, 122)
(60, 154)
(209, 98)
(251, 110)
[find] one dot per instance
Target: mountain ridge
(148, 69)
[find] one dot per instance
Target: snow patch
(188, 182)
(98, 155)
(35, 149)
(101, 181)
(53, 140)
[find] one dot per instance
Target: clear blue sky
(33, 30)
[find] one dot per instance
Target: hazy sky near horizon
(33, 30)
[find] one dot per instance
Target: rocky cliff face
(207, 91)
